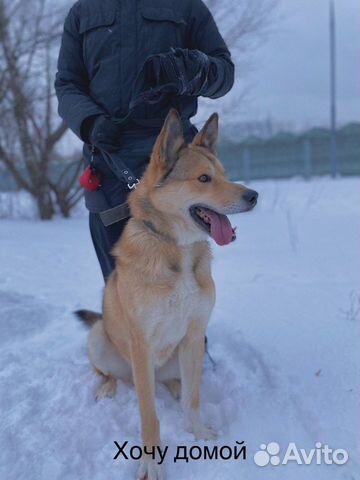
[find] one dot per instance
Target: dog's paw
(202, 432)
(149, 470)
(195, 425)
(106, 389)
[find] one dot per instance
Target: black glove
(178, 72)
(185, 70)
(103, 133)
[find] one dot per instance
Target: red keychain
(91, 178)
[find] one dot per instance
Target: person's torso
(118, 36)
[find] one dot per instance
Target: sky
(290, 80)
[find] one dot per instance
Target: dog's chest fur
(188, 301)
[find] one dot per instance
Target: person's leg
(103, 239)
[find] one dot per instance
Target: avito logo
(322, 454)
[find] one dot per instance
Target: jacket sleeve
(205, 36)
(72, 82)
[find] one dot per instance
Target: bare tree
(30, 31)
(244, 23)
(245, 26)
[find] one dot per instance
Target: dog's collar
(153, 229)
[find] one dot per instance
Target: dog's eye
(204, 178)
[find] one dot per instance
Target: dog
(158, 300)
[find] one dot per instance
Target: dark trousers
(103, 239)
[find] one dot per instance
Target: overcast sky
(291, 79)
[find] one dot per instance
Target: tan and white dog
(158, 300)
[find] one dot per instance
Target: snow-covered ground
(285, 337)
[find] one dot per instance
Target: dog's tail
(88, 317)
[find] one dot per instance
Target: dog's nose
(250, 196)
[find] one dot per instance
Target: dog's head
(185, 189)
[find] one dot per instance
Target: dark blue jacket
(104, 46)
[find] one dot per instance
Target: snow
(284, 335)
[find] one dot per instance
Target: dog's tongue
(220, 227)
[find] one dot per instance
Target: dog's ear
(169, 142)
(208, 135)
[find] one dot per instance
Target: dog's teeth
(201, 214)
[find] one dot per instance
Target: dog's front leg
(191, 358)
(144, 380)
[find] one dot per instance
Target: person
(122, 65)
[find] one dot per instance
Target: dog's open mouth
(215, 224)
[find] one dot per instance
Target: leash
(114, 160)
(213, 363)
(123, 173)
(91, 180)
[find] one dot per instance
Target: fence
(284, 155)
(287, 155)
